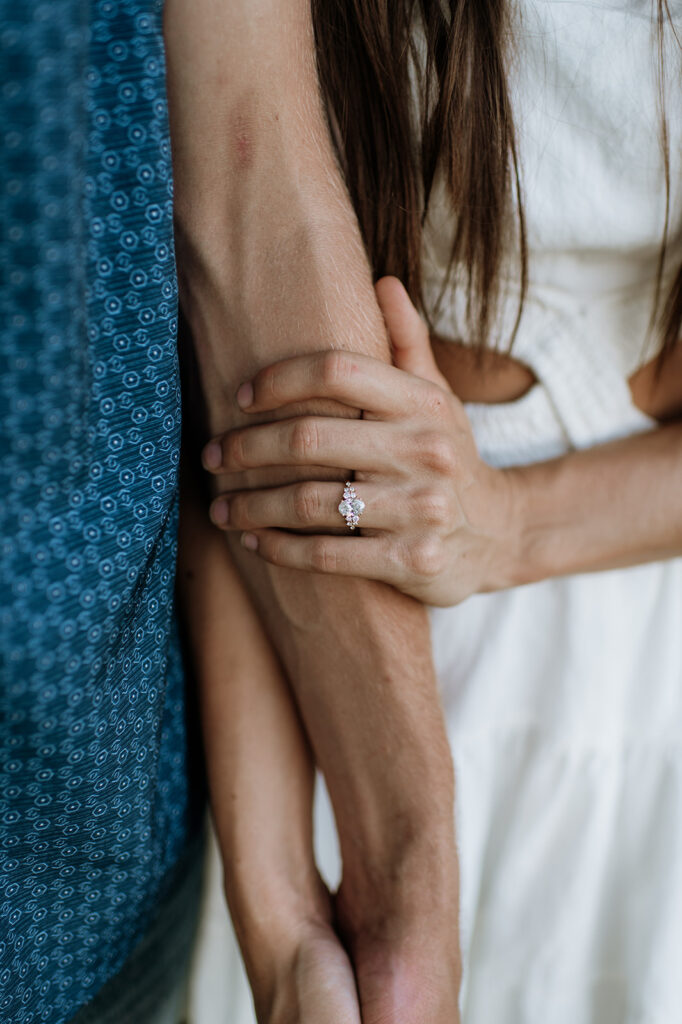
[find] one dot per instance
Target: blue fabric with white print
(95, 803)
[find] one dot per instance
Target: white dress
(563, 698)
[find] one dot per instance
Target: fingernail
(245, 395)
(250, 541)
(220, 512)
(212, 456)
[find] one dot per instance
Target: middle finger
(309, 441)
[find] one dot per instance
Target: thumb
(407, 331)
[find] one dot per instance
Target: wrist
(527, 540)
(508, 564)
(314, 982)
(407, 878)
(271, 925)
(399, 854)
(403, 935)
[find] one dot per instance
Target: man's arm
(271, 264)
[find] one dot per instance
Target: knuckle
(239, 515)
(432, 507)
(438, 453)
(272, 550)
(265, 384)
(321, 558)
(335, 369)
(303, 438)
(426, 557)
(306, 503)
(435, 400)
(235, 450)
(394, 553)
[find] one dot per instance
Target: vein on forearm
(271, 264)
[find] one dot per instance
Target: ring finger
(309, 504)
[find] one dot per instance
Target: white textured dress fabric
(564, 698)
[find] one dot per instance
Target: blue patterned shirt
(95, 805)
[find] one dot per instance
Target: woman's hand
(315, 984)
(437, 522)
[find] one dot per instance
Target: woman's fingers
(409, 334)
(373, 558)
(313, 505)
(351, 378)
(348, 377)
(307, 441)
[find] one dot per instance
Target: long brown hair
(390, 146)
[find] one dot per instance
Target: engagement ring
(351, 506)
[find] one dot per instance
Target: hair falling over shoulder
(390, 145)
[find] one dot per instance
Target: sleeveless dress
(563, 698)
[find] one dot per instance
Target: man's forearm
(271, 264)
(257, 190)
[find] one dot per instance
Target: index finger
(348, 377)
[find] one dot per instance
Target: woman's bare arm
(613, 505)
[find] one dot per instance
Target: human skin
(270, 264)
(439, 523)
(261, 805)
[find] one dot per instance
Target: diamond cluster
(351, 506)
